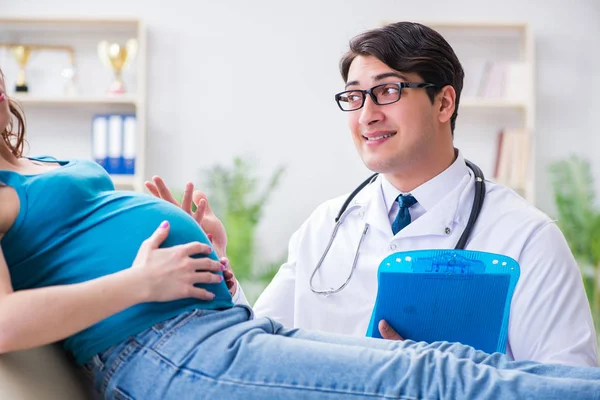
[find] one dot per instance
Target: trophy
(117, 57)
(21, 54)
(69, 73)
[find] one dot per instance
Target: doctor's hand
(229, 276)
(203, 215)
(387, 332)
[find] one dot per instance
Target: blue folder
(447, 295)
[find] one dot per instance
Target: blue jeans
(229, 355)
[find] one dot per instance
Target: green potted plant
(579, 220)
(239, 198)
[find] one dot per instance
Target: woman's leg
(222, 355)
(460, 351)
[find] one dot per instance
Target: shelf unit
(481, 118)
(497, 42)
(474, 102)
(74, 100)
(47, 106)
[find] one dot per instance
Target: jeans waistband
(165, 329)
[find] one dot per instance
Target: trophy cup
(69, 73)
(21, 54)
(117, 57)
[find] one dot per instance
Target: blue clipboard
(447, 295)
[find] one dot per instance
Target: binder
(100, 139)
(129, 144)
(115, 144)
(447, 295)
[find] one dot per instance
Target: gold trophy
(21, 54)
(117, 57)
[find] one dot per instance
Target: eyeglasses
(386, 93)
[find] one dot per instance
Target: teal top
(73, 226)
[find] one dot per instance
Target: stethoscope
(346, 209)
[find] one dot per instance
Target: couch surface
(42, 373)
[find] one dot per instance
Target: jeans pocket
(118, 394)
(172, 326)
(120, 355)
(167, 325)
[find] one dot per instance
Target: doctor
(401, 96)
(406, 135)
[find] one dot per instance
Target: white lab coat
(550, 319)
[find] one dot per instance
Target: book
(512, 164)
(504, 80)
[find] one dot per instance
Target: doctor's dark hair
(410, 47)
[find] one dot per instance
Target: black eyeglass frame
(401, 85)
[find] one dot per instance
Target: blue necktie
(403, 217)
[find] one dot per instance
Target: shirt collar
(432, 191)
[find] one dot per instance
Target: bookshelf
(59, 114)
(497, 100)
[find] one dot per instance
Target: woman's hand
(204, 216)
(170, 273)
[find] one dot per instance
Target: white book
(517, 82)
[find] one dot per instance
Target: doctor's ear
(447, 103)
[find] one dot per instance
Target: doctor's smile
(378, 137)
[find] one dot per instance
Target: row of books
(506, 80)
(114, 142)
(513, 165)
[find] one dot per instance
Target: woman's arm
(35, 317)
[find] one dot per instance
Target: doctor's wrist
(221, 252)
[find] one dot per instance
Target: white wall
(200, 51)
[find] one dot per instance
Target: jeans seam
(131, 346)
(187, 371)
(120, 395)
(272, 325)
